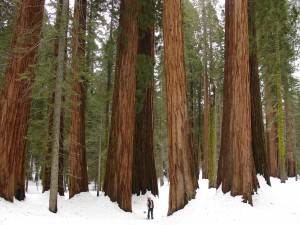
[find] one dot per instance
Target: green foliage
(146, 14)
(6, 22)
(144, 79)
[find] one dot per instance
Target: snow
(279, 204)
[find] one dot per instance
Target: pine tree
(47, 164)
(62, 18)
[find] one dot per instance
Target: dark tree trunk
(236, 158)
(182, 174)
(257, 126)
(47, 162)
(206, 100)
(199, 143)
(206, 129)
(212, 172)
(290, 144)
(61, 189)
(271, 130)
(144, 174)
(118, 177)
(78, 162)
(15, 97)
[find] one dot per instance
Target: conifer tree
(62, 18)
(118, 176)
(236, 171)
(182, 173)
(77, 158)
(15, 97)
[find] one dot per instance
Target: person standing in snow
(150, 206)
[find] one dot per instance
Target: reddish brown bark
(15, 97)
(78, 163)
(118, 177)
(224, 175)
(258, 137)
(236, 158)
(144, 174)
(182, 174)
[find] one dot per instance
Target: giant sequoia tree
(78, 162)
(257, 126)
(118, 177)
(236, 164)
(15, 97)
(144, 173)
(182, 173)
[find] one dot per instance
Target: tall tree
(236, 164)
(212, 169)
(258, 136)
(281, 146)
(182, 174)
(47, 163)
(78, 162)
(118, 176)
(15, 97)
(144, 173)
(62, 18)
(271, 128)
(290, 144)
(206, 97)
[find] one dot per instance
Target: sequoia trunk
(15, 97)
(237, 162)
(78, 163)
(182, 174)
(258, 137)
(144, 174)
(118, 177)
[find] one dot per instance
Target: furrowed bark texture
(237, 170)
(15, 97)
(182, 174)
(78, 163)
(258, 138)
(144, 174)
(118, 177)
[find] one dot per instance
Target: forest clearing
(276, 205)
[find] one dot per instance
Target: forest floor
(279, 204)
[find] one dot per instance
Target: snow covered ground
(279, 204)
